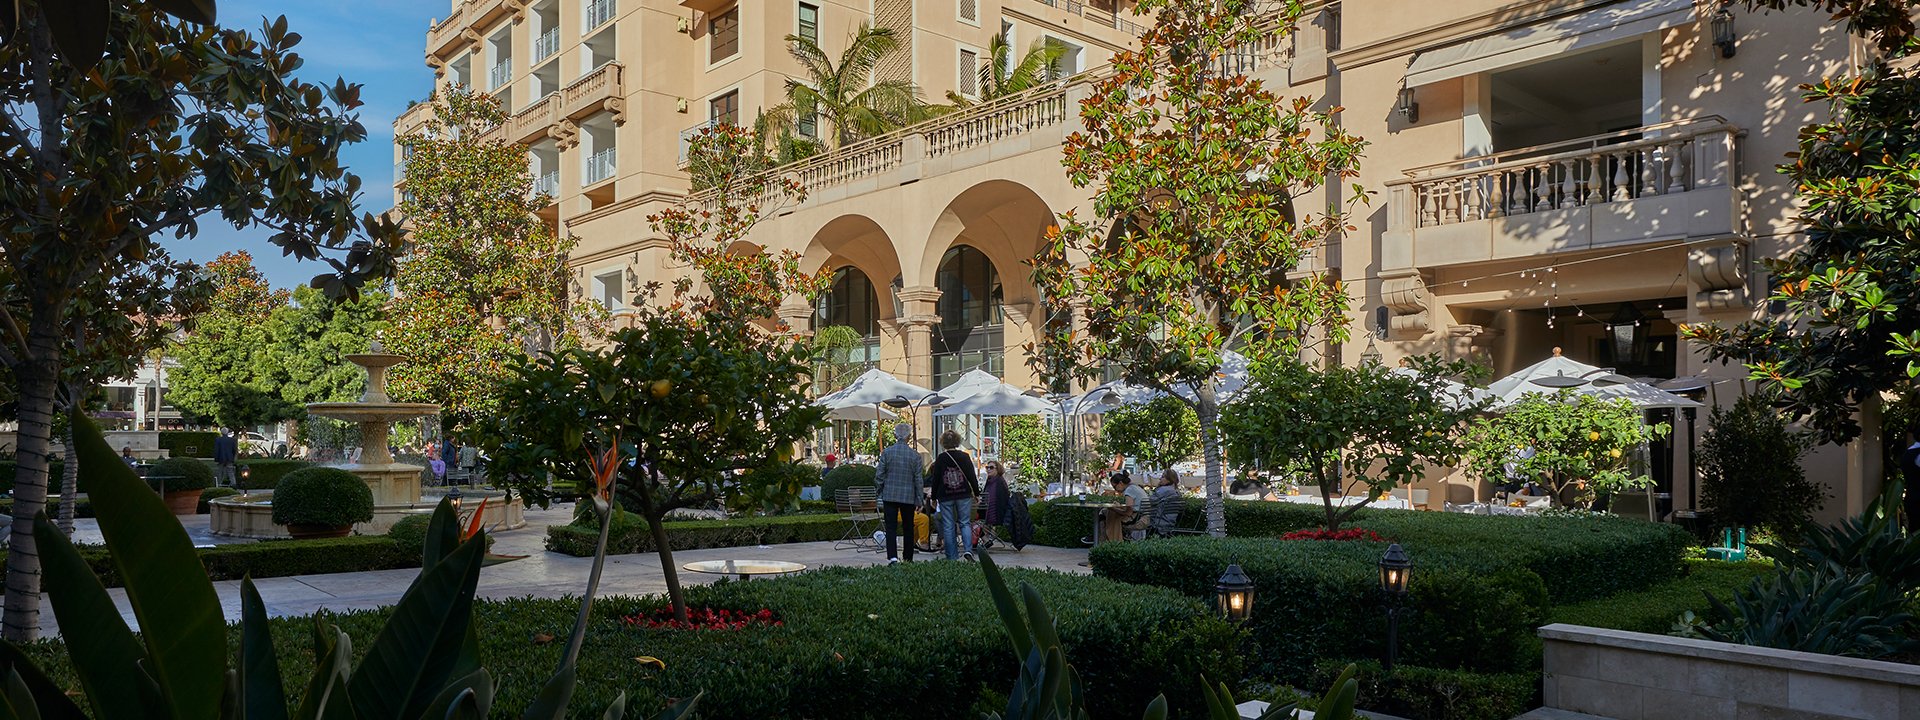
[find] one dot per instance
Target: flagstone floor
(541, 574)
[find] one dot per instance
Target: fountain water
(395, 485)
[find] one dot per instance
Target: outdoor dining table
(743, 569)
(1101, 533)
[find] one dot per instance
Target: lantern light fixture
(1408, 108)
(1724, 38)
(1235, 594)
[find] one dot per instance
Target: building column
(919, 313)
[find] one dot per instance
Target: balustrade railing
(598, 13)
(546, 45)
(1099, 16)
(1001, 118)
(604, 82)
(863, 159)
(599, 167)
(1642, 162)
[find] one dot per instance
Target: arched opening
(851, 302)
(970, 334)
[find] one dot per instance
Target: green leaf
(1003, 603)
(79, 29)
(676, 711)
(180, 618)
(193, 11)
(443, 535)
(551, 703)
(105, 652)
(326, 694)
(50, 701)
(261, 693)
(469, 697)
(418, 650)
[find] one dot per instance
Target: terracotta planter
(302, 531)
(183, 502)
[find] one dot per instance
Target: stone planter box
(1637, 676)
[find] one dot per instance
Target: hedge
(55, 471)
(1655, 609)
(324, 496)
(188, 443)
(630, 533)
(846, 475)
(279, 558)
(82, 508)
(1316, 600)
(1431, 694)
(265, 473)
(180, 474)
(211, 494)
(918, 641)
(1578, 558)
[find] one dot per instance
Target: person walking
(954, 487)
(898, 486)
(225, 450)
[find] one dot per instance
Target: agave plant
(1048, 688)
(1872, 544)
(424, 662)
(1821, 610)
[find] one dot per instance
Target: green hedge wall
(265, 473)
(54, 473)
(1654, 609)
(81, 507)
(188, 443)
(917, 642)
(630, 534)
(1430, 694)
(280, 558)
(1316, 600)
(1578, 558)
(845, 476)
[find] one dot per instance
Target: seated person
(1133, 495)
(1165, 510)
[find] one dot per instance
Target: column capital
(918, 293)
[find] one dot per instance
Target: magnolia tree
(1360, 430)
(174, 125)
(484, 281)
(1193, 233)
(1159, 433)
(686, 399)
(1577, 446)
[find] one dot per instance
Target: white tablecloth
(1389, 503)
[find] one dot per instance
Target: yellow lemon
(1595, 435)
(660, 388)
(1614, 452)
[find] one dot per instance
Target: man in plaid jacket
(899, 486)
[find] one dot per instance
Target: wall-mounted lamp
(685, 25)
(1723, 35)
(1407, 108)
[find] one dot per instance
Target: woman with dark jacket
(997, 493)
(954, 488)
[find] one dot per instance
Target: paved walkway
(541, 574)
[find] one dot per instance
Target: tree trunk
(69, 480)
(1329, 482)
(658, 525)
(38, 376)
(1208, 410)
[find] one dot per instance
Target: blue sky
(376, 43)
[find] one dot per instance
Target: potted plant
(319, 502)
(181, 480)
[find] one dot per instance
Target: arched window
(969, 333)
(850, 301)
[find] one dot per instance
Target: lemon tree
(1580, 445)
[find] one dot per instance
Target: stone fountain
(395, 485)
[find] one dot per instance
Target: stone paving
(541, 574)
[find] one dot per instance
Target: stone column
(919, 314)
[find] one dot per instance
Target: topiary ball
(846, 476)
(411, 533)
(182, 474)
(211, 494)
(323, 496)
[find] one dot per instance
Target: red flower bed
(701, 619)
(1347, 534)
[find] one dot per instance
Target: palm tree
(843, 93)
(1000, 76)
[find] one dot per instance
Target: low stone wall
(1637, 676)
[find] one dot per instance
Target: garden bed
(630, 533)
(1654, 609)
(279, 558)
(919, 641)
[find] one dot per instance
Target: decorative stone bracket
(1719, 277)
(1471, 342)
(1406, 297)
(565, 134)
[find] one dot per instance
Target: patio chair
(1733, 545)
(857, 506)
(1415, 497)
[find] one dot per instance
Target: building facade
(1586, 175)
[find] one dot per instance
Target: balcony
(1097, 16)
(500, 75)
(446, 37)
(598, 13)
(599, 167)
(687, 136)
(546, 45)
(604, 88)
(1672, 181)
(547, 184)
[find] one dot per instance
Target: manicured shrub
(188, 443)
(630, 533)
(410, 533)
(324, 496)
(776, 483)
(82, 507)
(277, 558)
(266, 473)
(1321, 600)
(1432, 694)
(845, 476)
(180, 474)
(211, 494)
(1655, 609)
(55, 470)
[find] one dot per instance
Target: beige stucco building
(1538, 170)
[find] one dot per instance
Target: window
(810, 23)
(610, 289)
(1067, 63)
(970, 10)
(724, 32)
(725, 110)
(969, 73)
(809, 126)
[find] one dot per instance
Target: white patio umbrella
(997, 401)
(1557, 373)
(873, 387)
(1455, 394)
(975, 381)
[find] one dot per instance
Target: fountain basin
(251, 515)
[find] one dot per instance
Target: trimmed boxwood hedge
(322, 496)
(55, 470)
(845, 476)
(919, 641)
(1654, 609)
(279, 558)
(188, 443)
(630, 533)
(1430, 694)
(178, 474)
(82, 508)
(1578, 558)
(266, 473)
(211, 494)
(1316, 600)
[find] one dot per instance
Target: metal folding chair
(857, 507)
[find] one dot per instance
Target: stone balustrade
(990, 122)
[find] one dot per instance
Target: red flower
(1348, 534)
(702, 619)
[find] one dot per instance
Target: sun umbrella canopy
(1557, 373)
(872, 388)
(1455, 395)
(975, 381)
(1000, 400)
(862, 413)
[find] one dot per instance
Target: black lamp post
(1629, 335)
(454, 499)
(1235, 593)
(245, 472)
(1693, 388)
(1395, 569)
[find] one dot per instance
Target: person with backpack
(954, 488)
